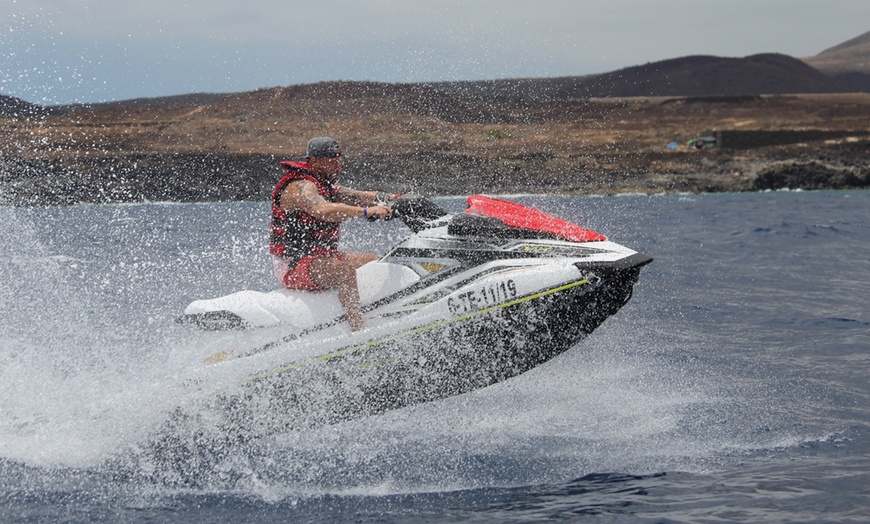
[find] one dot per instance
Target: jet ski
(465, 301)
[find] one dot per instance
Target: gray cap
(323, 146)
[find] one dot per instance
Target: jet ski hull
(427, 362)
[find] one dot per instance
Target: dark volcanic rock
(137, 178)
(811, 175)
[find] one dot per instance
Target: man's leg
(360, 259)
(331, 273)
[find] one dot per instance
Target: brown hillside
(418, 137)
(847, 63)
(327, 100)
(858, 41)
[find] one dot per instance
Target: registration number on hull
(482, 297)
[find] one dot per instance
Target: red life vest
(295, 235)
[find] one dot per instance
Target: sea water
(733, 387)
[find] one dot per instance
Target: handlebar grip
(372, 218)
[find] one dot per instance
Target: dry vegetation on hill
(437, 139)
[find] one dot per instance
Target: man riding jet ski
(308, 204)
(467, 300)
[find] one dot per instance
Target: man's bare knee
(360, 259)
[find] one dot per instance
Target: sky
(79, 51)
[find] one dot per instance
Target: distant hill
(848, 63)
(336, 99)
(692, 76)
(850, 45)
(192, 99)
(763, 74)
(11, 106)
(842, 68)
(478, 101)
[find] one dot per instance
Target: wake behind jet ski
(466, 301)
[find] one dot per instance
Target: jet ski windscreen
(519, 216)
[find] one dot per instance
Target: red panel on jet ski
(518, 215)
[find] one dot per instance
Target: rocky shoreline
(232, 177)
(229, 149)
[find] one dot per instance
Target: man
(308, 205)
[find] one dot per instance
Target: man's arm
(364, 198)
(355, 197)
(302, 195)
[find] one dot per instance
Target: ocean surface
(732, 388)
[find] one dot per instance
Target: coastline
(230, 150)
(216, 178)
